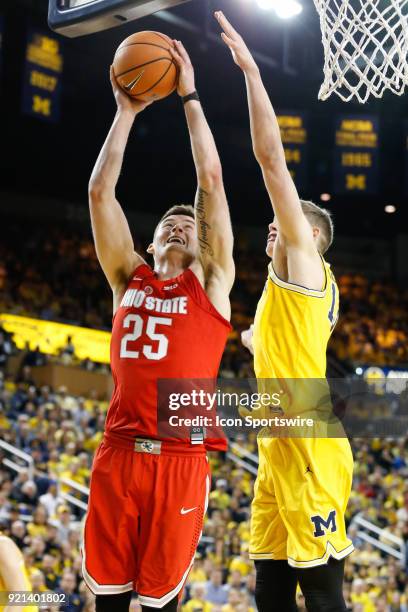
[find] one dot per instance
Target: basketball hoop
(365, 47)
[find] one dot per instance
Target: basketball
(144, 67)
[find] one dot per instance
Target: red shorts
(144, 520)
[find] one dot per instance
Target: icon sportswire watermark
(282, 407)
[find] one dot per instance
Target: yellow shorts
(301, 495)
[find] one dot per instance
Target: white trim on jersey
(297, 288)
(102, 589)
(329, 552)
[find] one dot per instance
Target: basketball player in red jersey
(148, 495)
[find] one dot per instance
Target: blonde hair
(321, 218)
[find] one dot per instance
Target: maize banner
(51, 337)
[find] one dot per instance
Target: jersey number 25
(136, 322)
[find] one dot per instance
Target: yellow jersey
(292, 327)
(291, 330)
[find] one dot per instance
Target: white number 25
(136, 321)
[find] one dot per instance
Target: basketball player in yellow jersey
(297, 527)
(13, 574)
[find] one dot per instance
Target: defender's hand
(186, 82)
(240, 52)
(246, 339)
(123, 101)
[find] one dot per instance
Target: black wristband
(192, 96)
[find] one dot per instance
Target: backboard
(79, 17)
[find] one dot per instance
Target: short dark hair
(179, 209)
(321, 218)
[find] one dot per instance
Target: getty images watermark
(318, 408)
(208, 402)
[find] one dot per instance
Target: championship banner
(356, 154)
(42, 76)
(294, 134)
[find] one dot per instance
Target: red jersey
(163, 329)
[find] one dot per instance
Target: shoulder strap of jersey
(142, 271)
(198, 294)
(299, 288)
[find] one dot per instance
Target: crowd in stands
(373, 328)
(53, 274)
(61, 433)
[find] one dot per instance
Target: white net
(365, 46)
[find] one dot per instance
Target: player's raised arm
(113, 240)
(267, 144)
(212, 213)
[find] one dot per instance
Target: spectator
(5, 507)
(67, 353)
(74, 602)
(216, 591)
(220, 496)
(234, 600)
(402, 513)
(250, 585)
(198, 602)
(5, 349)
(38, 526)
(18, 533)
(63, 523)
(50, 570)
(33, 358)
(38, 581)
(235, 580)
(242, 563)
(360, 596)
(51, 500)
(27, 495)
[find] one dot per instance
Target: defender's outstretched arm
(212, 213)
(113, 240)
(267, 144)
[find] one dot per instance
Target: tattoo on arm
(204, 227)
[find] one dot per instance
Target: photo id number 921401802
(28, 598)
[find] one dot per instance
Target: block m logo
(322, 526)
(356, 181)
